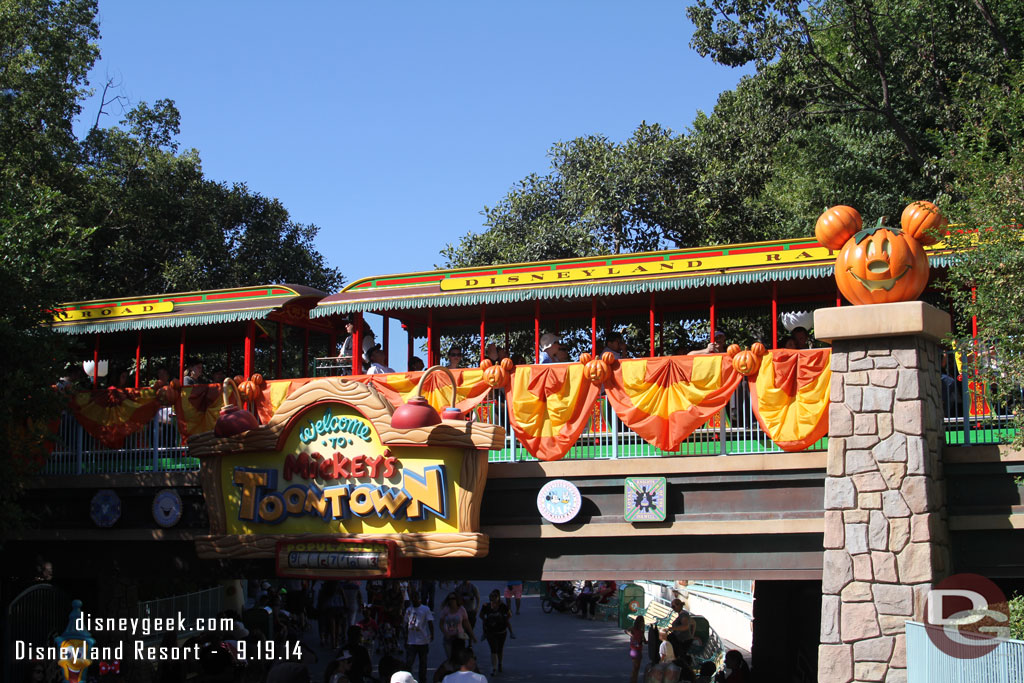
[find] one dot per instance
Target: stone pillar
(886, 537)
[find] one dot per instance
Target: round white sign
(559, 501)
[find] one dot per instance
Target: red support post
(651, 325)
(839, 298)
(357, 345)
(250, 344)
(431, 357)
(593, 326)
(775, 315)
(138, 357)
(536, 331)
(483, 332)
(974, 318)
(711, 315)
(181, 357)
(409, 344)
(386, 337)
(96, 361)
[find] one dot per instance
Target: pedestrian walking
(636, 646)
(455, 626)
(496, 619)
(419, 625)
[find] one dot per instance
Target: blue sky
(390, 125)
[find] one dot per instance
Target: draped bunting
(399, 387)
(550, 406)
(198, 408)
(791, 392)
(112, 414)
(664, 400)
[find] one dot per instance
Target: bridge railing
(958, 662)
(157, 447)
(732, 431)
(970, 415)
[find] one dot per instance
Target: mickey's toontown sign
(329, 464)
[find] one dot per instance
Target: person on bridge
(496, 618)
(419, 624)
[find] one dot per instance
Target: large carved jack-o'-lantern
(883, 264)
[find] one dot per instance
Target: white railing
(733, 431)
(960, 663)
(157, 447)
(189, 607)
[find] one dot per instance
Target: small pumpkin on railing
(598, 370)
(746, 361)
(586, 358)
(258, 380)
(486, 363)
(609, 359)
(248, 390)
(167, 394)
(508, 365)
(495, 376)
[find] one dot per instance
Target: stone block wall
(886, 536)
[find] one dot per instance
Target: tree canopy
(118, 213)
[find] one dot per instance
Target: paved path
(547, 647)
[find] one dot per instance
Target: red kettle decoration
(233, 418)
(417, 412)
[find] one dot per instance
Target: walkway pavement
(547, 647)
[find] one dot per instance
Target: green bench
(658, 613)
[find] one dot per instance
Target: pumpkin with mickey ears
(881, 265)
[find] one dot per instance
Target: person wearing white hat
(402, 677)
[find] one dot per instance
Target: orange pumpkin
(732, 350)
(508, 365)
(881, 265)
(496, 376)
(248, 390)
(166, 395)
(258, 380)
(746, 363)
(486, 363)
(758, 349)
(837, 225)
(597, 370)
(923, 221)
(238, 379)
(609, 358)
(586, 358)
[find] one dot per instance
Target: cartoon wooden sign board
(329, 464)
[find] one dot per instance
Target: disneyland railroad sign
(329, 464)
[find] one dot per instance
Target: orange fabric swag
(664, 400)
(549, 407)
(791, 396)
(112, 414)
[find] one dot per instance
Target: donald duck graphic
(75, 645)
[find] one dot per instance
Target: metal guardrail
(926, 663)
(192, 608)
(157, 447)
(970, 416)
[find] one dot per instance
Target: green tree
(161, 225)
